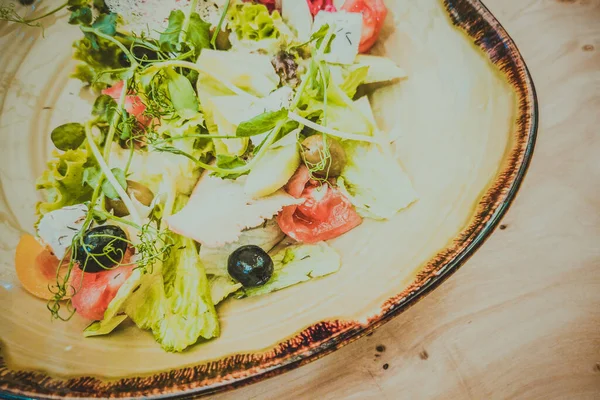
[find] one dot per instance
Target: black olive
(250, 265)
(103, 247)
(26, 2)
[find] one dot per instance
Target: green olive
(314, 153)
(135, 189)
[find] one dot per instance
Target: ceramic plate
(464, 126)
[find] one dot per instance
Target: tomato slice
(95, 291)
(325, 214)
(374, 13)
(133, 103)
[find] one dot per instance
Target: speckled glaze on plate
(464, 127)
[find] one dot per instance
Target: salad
(227, 145)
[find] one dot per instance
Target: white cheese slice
(219, 210)
(57, 228)
(297, 15)
(347, 28)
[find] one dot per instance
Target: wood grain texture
(521, 319)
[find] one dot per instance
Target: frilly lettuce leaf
(298, 263)
(215, 258)
(62, 183)
(179, 310)
(253, 22)
(379, 198)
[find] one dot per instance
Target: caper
(139, 191)
(329, 162)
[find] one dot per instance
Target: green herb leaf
(81, 16)
(198, 34)
(68, 136)
(106, 24)
(104, 107)
(182, 94)
(108, 188)
(261, 123)
(169, 39)
(91, 176)
(228, 162)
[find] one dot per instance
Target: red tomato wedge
(374, 13)
(317, 5)
(270, 4)
(326, 213)
(133, 103)
(95, 291)
(36, 267)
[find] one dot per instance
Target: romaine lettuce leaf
(178, 310)
(265, 236)
(298, 263)
(221, 287)
(62, 183)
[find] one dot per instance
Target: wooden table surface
(521, 319)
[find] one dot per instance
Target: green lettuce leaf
(298, 263)
(62, 183)
(221, 287)
(179, 310)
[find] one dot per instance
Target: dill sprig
(8, 13)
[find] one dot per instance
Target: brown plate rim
(327, 336)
